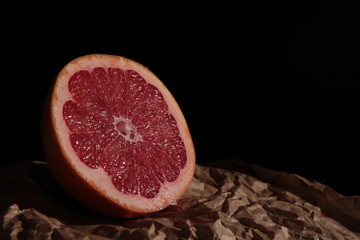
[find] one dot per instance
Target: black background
(274, 85)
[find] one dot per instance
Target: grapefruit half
(115, 137)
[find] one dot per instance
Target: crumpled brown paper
(248, 202)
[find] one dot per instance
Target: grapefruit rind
(93, 187)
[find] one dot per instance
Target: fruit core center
(127, 129)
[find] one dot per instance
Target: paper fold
(248, 202)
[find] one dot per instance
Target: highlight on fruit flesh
(115, 137)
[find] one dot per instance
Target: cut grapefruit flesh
(115, 137)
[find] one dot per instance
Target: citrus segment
(95, 122)
(113, 114)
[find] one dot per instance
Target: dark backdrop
(274, 85)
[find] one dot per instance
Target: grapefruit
(115, 138)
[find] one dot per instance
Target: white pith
(129, 131)
(98, 178)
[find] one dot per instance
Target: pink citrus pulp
(115, 137)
